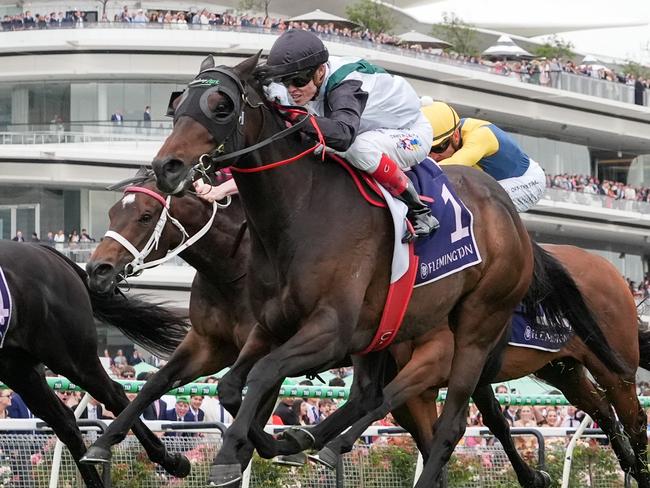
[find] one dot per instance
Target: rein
(137, 265)
(203, 168)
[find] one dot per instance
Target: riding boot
(419, 213)
(391, 177)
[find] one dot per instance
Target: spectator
(19, 236)
(325, 408)
(180, 410)
(134, 358)
(285, 412)
(125, 16)
(146, 117)
(140, 17)
(94, 411)
(573, 417)
(336, 382)
(195, 412)
(117, 118)
(119, 359)
(311, 405)
(17, 408)
(35, 237)
(300, 410)
(85, 237)
(127, 372)
(214, 410)
(639, 92)
(50, 239)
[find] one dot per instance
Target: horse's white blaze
(128, 199)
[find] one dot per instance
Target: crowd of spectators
(541, 71)
(594, 186)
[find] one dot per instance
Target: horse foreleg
(365, 395)
(24, 379)
(195, 356)
(475, 337)
(318, 345)
(428, 367)
(494, 419)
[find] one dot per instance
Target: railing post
(568, 457)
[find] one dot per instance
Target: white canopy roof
(324, 18)
(506, 48)
(424, 40)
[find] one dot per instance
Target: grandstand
(59, 89)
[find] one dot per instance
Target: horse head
(209, 118)
(141, 230)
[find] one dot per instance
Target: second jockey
(366, 115)
(481, 144)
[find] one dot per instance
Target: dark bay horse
(52, 323)
(220, 316)
(320, 266)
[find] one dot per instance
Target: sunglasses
(442, 147)
(300, 79)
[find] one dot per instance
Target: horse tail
(149, 325)
(644, 349)
(557, 293)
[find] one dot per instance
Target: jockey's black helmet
(294, 51)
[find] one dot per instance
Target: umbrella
(506, 48)
(143, 367)
(423, 40)
(324, 18)
(589, 59)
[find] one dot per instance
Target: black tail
(149, 325)
(644, 349)
(557, 293)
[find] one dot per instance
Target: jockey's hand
(211, 193)
(277, 93)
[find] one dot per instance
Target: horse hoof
(300, 439)
(327, 457)
(542, 479)
(225, 475)
(179, 466)
(96, 455)
(298, 459)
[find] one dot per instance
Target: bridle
(228, 82)
(138, 264)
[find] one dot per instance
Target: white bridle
(137, 265)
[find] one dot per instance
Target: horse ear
(245, 68)
(207, 63)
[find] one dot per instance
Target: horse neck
(276, 198)
(210, 255)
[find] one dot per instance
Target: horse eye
(145, 218)
(223, 109)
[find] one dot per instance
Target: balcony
(562, 81)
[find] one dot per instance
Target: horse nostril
(99, 270)
(173, 166)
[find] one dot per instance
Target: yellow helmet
(443, 119)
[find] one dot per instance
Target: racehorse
(220, 326)
(321, 259)
(51, 322)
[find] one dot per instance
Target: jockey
(478, 143)
(367, 116)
